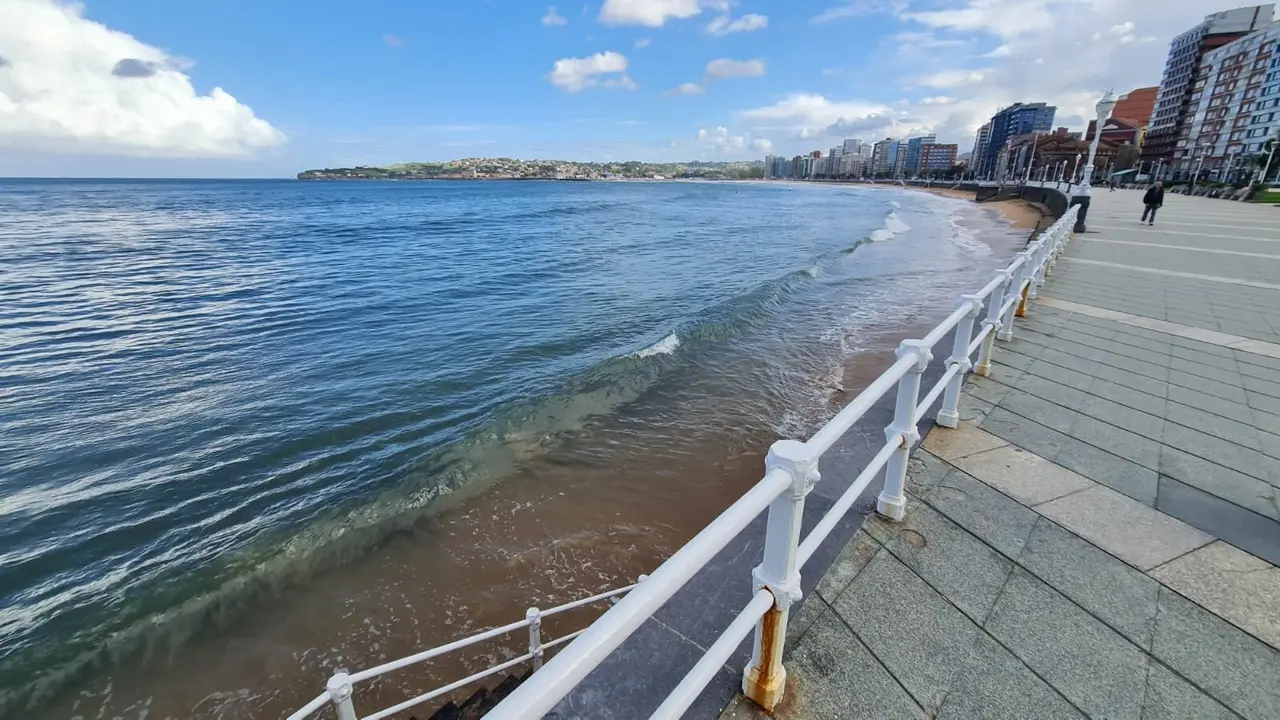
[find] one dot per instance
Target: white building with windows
(1235, 107)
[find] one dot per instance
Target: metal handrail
(791, 472)
(340, 686)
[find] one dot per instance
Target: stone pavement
(1099, 537)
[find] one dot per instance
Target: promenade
(1099, 537)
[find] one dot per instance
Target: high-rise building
(1017, 119)
(1136, 105)
(912, 165)
(937, 157)
(1181, 68)
(884, 157)
(852, 146)
(769, 161)
(1233, 107)
(979, 153)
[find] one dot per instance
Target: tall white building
(1234, 107)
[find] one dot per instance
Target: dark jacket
(1154, 196)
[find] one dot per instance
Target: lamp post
(1084, 192)
(1275, 140)
(1199, 164)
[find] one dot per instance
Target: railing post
(765, 679)
(1042, 265)
(949, 415)
(1006, 331)
(534, 616)
(340, 689)
(992, 321)
(892, 502)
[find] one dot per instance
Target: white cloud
(575, 74)
(726, 68)
(722, 141)
(858, 8)
(950, 79)
(552, 17)
(75, 86)
(687, 89)
(937, 100)
(807, 116)
(650, 13)
(723, 25)
(643, 43)
(393, 40)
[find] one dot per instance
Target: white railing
(791, 471)
(341, 687)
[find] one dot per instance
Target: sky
(244, 88)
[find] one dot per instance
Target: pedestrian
(1152, 201)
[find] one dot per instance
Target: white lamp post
(1275, 140)
(1083, 193)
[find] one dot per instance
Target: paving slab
(1093, 666)
(1235, 668)
(831, 674)
(919, 637)
(1024, 476)
(1246, 491)
(965, 570)
(1169, 696)
(1133, 532)
(995, 685)
(965, 439)
(847, 565)
(995, 518)
(1115, 593)
(1231, 583)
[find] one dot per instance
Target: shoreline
(1019, 213)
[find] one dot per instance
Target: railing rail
(340, 688)
(791, 472)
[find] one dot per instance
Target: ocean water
(243, 421)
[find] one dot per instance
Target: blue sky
(239, 88)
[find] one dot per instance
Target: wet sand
(557, 530)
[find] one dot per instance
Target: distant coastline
(510, 169)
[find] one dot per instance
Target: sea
(252, 432)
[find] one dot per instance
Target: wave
(665, 346)
(893, 226)
(965, 240)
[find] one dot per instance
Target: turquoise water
(214, 388)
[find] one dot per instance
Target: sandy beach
(1019, 213)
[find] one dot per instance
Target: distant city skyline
(146, 88)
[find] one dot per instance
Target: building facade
(977, 156)
(1017, 119)
(935, 157)
(1181, 73)
(912, 161)
(884, 157)
(1135, 106)
(1234, 108)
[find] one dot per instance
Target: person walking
(1152, 201)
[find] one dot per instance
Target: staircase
(481, 701)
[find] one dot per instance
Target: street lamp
(1083, 194)
(1199, 164)
(1275, 140)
